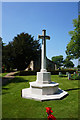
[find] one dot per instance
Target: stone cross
(43, 58)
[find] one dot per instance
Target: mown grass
(16, 107)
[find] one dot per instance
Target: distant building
(36, 65)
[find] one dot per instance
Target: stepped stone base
(43, 89)
(26, 93)
(43, 92)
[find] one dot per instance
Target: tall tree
(68, 64)
(0, 54)
(73, 47)
(21, 51)
(7, 56)
(58, 60)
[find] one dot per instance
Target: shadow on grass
(5, 88)
(6, 81)
(72, 89)
(4, 93)
(63, 76)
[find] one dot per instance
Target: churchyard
(36, 82)
(14, 106)
(55, 91)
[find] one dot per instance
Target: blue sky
(33, 17)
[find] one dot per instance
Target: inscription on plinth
(43, 77)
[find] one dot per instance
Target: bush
(25, 73)
(55, 72)
(78, 66)
(63, 71)
(75, 77)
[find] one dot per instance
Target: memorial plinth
(43, 77)
(43, 89)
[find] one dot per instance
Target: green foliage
(54, 72)
(78, 66)
(19, 52)
(58, 60)
(73, 47)
(75, 77)
(68, 64)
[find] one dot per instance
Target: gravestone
(60, 73)
(69, 76)
(79, 74)
(67, 73)
(43, 89)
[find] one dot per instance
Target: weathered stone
(74, 73)
(69, 76)
(60, 73)
(67, 73)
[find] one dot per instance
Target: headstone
(67, 73)
(60, 73)
(69, 76)
(43, 89)
(79, 74)
(74, 73)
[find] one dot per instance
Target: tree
(73, 47)
(78, 66)
(7, 56)
(21, 51)
(58, 60)
(0, 54)
(68, 64)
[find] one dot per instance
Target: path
(8, 77)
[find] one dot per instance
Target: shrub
(63, 71)
(75, 77)
(78, 66)
(25, 73)
(54, 72)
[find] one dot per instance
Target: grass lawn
(16, 107)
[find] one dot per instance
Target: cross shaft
(43, 58)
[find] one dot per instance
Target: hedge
(25, 73)
(55, 72)
(63, 71)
